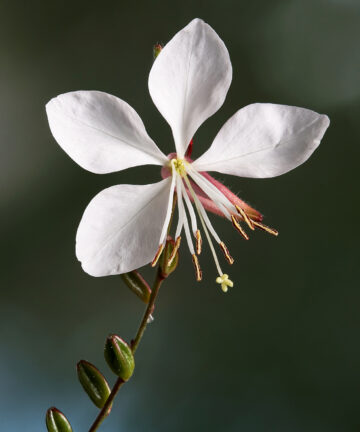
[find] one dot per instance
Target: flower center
(179, 166)
(187, 182)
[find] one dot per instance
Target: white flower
(125, 226)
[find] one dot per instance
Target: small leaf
(137, 284)
(56, 421)
(93, 382)
(119, 357)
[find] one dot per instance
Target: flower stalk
(134, 345)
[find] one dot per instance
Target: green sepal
(137, 284)
(93, 382)
(119, 357)
(165, 269)
(56, 421)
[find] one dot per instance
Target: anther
(245, 217)
(239, 228)
(266, 228)
(157, 256)
(198, 271)
(198, 242)
(174, 251)
(225, 250)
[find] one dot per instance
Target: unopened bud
(157, 49)
(169, 260)
(119, 357)
(56, 421)
(93, 382)
(137, 284)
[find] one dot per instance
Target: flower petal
(121, 227)
(189, 80)
(101, 132)
(264, 140)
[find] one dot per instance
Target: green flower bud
(119, 357)
(56, 421)
(93, 382)
(170, 257)
(137, 284)
(157, 49)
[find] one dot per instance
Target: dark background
(280, 351)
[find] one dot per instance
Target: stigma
(225, 282)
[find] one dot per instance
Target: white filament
(190, 208)
(213, 193)
(206, 225)
(183, 216)
(169, 207)
(202, 211)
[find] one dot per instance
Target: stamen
(157, 256)
(202, 216)
(173, 253)
(245, 217)
(200, 209)
(223, 204)
(225, 282)
(182, 215)
(197, 268)
(191, 211)
(229, 258)
(169, 207)
(198, 242)
(239, 228)
(265, 228)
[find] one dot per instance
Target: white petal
(101, 132)
(121, 227)
(189, 80)
(264, 140)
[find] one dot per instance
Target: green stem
(134, 344)
(149, 310)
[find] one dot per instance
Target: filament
(169, 208)
(214, 194)
(182, 214)
(199, 208)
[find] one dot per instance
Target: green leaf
(93, 382)
(137, 284)
(56, 421)
(119, 357)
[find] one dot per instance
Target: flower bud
(56, 421)
(157, 49)
(137, 284)
(119, 357)
(165, 267)
(93, 382)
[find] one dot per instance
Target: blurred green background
(280, 351)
